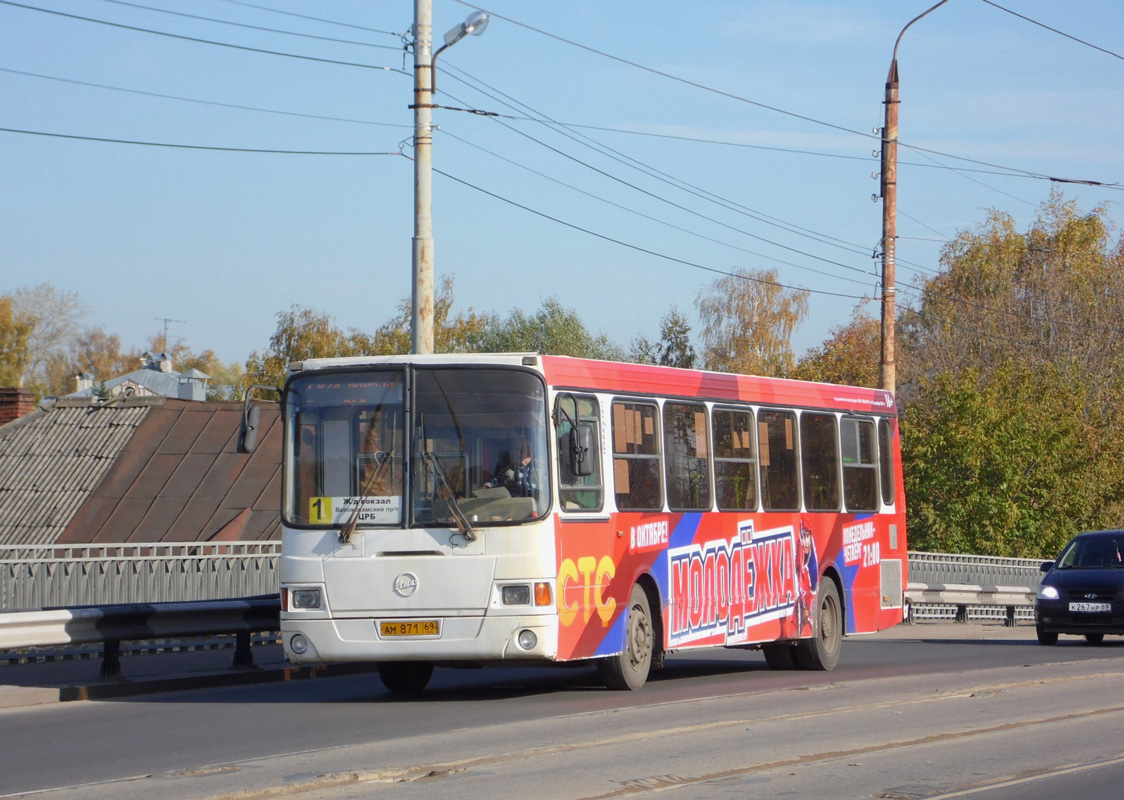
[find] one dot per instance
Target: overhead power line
(203, 102)
(198, 40)
(638, 248)
(199, 146)
(250, 27)
(306, 16)
(804, 117)
(1054, 30)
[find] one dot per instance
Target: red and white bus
(476, 509)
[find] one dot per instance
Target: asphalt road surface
(899, 718)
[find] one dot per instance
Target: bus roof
(582, 374)
(609, 376)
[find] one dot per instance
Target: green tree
(674, 348)
(748, 320)
(553, 330)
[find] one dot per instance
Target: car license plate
(410, 627)
(1090, 608)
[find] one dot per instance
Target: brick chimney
(14, 403)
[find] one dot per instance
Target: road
(898, 719)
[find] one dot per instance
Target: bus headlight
(518, 595)
(527, 640)
(304, 598)
(298, 644)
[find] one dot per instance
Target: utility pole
(421, 325)
(887, 370)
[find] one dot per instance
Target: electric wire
(203, 102)
(803, 117)
(199, 146)
(250, 27)
(638, 248)
(201, 41)
(692, 190)
(306, 16)
(643, 215)
(1053, 30)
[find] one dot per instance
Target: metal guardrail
(65, 576)
(110, 625)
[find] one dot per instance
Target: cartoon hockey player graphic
(807, 579)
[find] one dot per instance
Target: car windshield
(1093, 552)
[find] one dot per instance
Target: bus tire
(628, 670)
(821, 652)
(779, 656)
(405, 677)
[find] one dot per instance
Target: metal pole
(887, 370)
(421, 326)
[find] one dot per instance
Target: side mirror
(582, 451)
(1045, 566)
(251, 418)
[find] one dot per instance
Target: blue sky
(703, 170)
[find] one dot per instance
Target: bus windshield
(476, 439)
(479, 445)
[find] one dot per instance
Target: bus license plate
(1090, 608)
(410, 627)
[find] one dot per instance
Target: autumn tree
(54, 317)
(850, 356)
(302, 333)
(1011, 370)
(14, 334)
(92, 351)
(748, 319)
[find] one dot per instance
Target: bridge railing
(946, 586)
(64, 576)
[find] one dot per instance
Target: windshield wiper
(449, 496)
(382, 459)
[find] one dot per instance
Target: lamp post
(887, 370)
(421, 325)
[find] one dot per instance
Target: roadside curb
(24, 696)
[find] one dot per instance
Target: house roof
(138, 470)
(53, 458)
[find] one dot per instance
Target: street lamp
(421, 326)
(887, 371)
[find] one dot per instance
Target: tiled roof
(138, 470)
(180, 478)
(51, 460)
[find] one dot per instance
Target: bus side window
(780, 475)
(886, 460)
(636, 457)
(735, 462)
(819, 442)
(578, 492)
(686, 456)
(860, 469)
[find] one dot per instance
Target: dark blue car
(1083, 591)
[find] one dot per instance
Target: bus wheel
(821, 652)
(629, 669)
(405, 677)
(779, 656)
